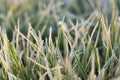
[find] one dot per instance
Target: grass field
(59, 40)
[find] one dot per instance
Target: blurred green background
(45, 13)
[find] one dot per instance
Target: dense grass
(59, 40)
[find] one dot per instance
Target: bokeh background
(43, 14)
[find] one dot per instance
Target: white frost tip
(60, 23)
